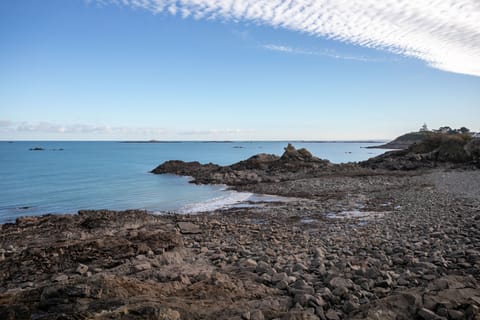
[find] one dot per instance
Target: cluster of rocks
(413, 254)
(295, 165)
(43, 149)
(269, 168)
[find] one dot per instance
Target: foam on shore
(230, 199)
(226, 200)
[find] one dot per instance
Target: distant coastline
(254, 141)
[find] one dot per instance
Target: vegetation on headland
(432, 148)
(444, 133)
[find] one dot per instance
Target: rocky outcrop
(293, 164)
(444, 150)
(404, 141)
(182, 168)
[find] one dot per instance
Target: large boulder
(296, 155)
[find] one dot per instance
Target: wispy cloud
(78, 130)
(212, 132)
(55, 128)
(443, 33)
(325, 53)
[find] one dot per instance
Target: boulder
(188, 228)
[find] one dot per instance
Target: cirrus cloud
(78, 128)
(443, 33)
(33, 130)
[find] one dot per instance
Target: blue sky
(132, 70)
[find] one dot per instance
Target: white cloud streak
(55, 128)
(325, 53)
(443, 33)
(33, 129)
(212, 132)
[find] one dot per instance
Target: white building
(476, 135)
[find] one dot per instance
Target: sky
(237, 70)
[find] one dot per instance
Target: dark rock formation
(436, 149)
(293, 164)
(182, 168)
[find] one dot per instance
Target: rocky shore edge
(357, 243)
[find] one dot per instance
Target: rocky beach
(394, 237)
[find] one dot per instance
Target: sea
(67, 176)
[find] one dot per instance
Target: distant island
(149, 141)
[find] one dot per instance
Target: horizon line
(179, 141)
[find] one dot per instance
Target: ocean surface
(70, 176)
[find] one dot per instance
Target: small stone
(188, 228)
(317, 300)
(282, 285)
(472, 310)
(332, 315)
(385, 283)
(269, 252)
(183, 279)
(442, 311)
(60, 278)
(340, 292)
(249, 263)
(339, 282)
(28, 284)
(350, 306)
(428, 314)
(257, 315)
(246, 315)
(402, 281)
(169, 314)
(262, 267)
(82, 269)
(319, 252)
(291, 279)
(203, 250)
(143, 266)
(302, 299)
(300, 267)
(456, 314)
(320, 313)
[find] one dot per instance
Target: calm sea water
(114, 175)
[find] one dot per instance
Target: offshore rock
(293, 164)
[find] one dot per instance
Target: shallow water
(69, 176)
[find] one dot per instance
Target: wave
(227, 200)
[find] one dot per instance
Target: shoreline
(278, 261)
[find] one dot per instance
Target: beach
(350, 243)
(240, 160)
